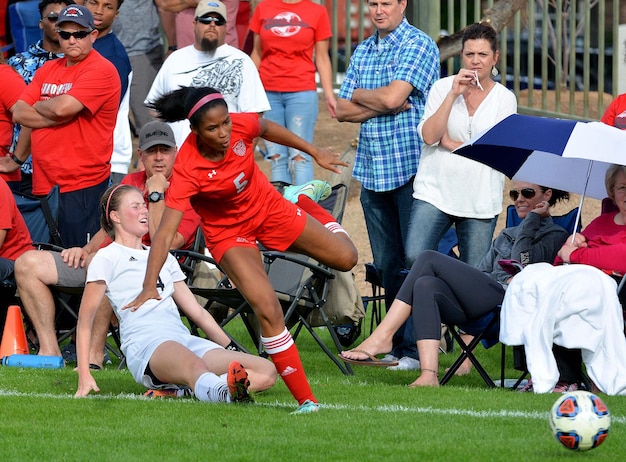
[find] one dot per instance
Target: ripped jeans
(297, 111)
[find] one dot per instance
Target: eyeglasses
(527, 193)
(52, 17)
(211, 19)
(79, 35)
(619, 189)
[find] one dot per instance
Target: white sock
(211, 388)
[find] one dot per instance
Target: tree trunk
(498, 16)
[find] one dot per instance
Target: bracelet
(172, 48)
(232, 346)
(16, 160)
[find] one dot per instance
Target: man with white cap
(210, 62)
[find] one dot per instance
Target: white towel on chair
(574, 306)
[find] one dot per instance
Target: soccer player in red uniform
(215, 171)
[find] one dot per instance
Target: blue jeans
(429, 224)
(297, 111)
(387, 217)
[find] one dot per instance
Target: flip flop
(371, 360)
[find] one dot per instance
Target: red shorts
(277, 226)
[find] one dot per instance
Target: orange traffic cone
(14, 336)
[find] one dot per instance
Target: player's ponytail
(187, 103)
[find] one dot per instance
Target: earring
(494, 71)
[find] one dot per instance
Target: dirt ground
(339, 136)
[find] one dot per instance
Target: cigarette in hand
(478, 81)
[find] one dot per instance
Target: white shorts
(139, 351)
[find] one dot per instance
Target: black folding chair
(301, 285)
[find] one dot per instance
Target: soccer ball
(580, 420)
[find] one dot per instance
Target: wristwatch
(155, 196)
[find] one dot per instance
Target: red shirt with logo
(77, 154)
(288, 33)
(230, 194)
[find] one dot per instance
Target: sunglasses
(527, 193)
(52, 17)
(81, 34)
(210, 19)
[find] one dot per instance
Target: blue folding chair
(565, 221)
(24, 24)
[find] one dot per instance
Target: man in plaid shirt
(385, 90)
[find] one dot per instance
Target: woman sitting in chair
(440, 288)
(578, 305)
(159, 349)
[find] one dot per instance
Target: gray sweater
(534, 240)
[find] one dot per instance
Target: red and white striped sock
(284, 353)
(320, 214)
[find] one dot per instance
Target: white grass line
(507, 414)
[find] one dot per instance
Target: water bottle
(35, 361)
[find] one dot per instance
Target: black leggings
(440, 289)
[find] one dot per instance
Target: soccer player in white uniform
(158, 347)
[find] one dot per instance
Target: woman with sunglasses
(441, 289)
(216, 173)
(577, 303)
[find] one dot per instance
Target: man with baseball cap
(35, 270)
(70, 109)
(185, 12)
(210, 62)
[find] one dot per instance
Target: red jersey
(228, 194)
(75, 155)
(189, 223)
(12, 87)
(288, 33)
(17, 240)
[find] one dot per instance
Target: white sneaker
(389, 358)
(406, 364)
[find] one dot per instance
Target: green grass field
(369, 416)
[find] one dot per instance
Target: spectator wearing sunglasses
(441, 289)
(27, 62)
(70, 108)
(183, 12)
(576, 302)
(210, 62)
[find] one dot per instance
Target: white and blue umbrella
(558, 153)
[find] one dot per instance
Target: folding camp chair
(66, 300)
(487, 332)
(301, 285)
(40, 214)
(24, 24)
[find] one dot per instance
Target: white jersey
(156, 321)
(226, 69)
